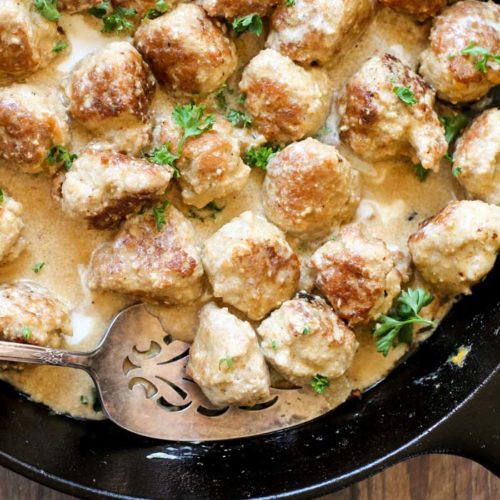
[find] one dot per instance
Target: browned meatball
(110, 92)
(31, 121)
(142, 7)
(73, 6)
(237, 8)
(26, 39)
(421, 9)
(459, 77)
(187, 51)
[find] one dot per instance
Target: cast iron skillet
(425, 405)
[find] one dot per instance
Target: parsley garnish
(260, 156)
(190, 118)
(422, 173)
(220, 98)
(306, 331)
(482, 54)
(319, 383)
(99, 10)
(239, 119)
(59, 47)
(397, 327)
(117, 21)
(1, 196)
(456, 171)
(38, 267)
(212, 206)
(159, 215)
(290, 3)
(228, 360)
(274, 345)
(26, 333)
(163, 156)
(59, 154)
(252, 23)
(405, 95)
(160, 8)
(453, 125)
(84, 400)
(48, 9)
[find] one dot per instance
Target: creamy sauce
(394, 202)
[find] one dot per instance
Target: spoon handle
(25, 353)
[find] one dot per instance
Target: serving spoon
(139, 373)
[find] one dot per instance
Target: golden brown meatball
(154, 256)
(421, 9)
(309, 188)
(250, 265)
(142, 7)
(26, 39)
(74, 6)
(31, 122)
(386, 111)
(477, 157)
(31, 314)
(457, 247)
(103, 187)
(210, 164)
(286, 101)
(360, 276)
(11, 226)
(237, 8)
(110, 92)
(225, 360)
(304, 338)
(314, 31)
(187, 51)
(459, 77)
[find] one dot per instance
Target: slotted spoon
(139, 373)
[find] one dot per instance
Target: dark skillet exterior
(426, 404)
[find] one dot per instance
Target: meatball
(250, 265)
(153, 256)
(29, 313)
(386, 111)
(309, 188)
(142, 7)
(31, 121)
(73, 6)
(210, 164)
(304, 338)
(103, 187)
(237, 8)
(287, 102)
(110, 92)
(421, 10)
(359, 275)
(477, 155)
(187, 51)
(225, 360)
(314, 31)
(26, 39)
(457, 247)
(11, 226)
(459, 77)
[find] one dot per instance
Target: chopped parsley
(159, 9)
(26, 333)
(96, 405)
(159, 215)
(84, 400)
(220, 99)
(406, 95)
(118, 21)
(1, 196)
(60, 155)
(306, 331)
(100, 10)
(252, 23)
(421, 172)
(397, 327)
(228, 360)
(191, 119)
(48, 9)
(456, 171)
(193, 213)
(214, 207)
(483, 56)
(60, 46)
(274, 345)
(290, 3)
(239, 119)
(163, 156)
(38, 267)
(453, 125)
(319, 383)
(259, 157)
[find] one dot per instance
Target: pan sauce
(394, 202)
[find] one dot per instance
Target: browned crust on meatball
(236, 8)
(420, 9)
(73, 6)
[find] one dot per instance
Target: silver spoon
(138, 370)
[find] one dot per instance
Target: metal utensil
(139, 373)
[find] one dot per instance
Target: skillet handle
(472, 431)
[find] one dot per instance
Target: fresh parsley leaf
(84, 400)
(422, 173)
(448, 157)
(453, 125)
(482, 54)
(259, 157)
(190, 118)
(117, 21)
(242, 99)
(456, 171)
(290, 3)
(405, 95)
(48, 9)
(228, 360)
(239, 119)
(60, 155)
(26, 333)
(100, 10)
(38, 267)
(214, 207)
(319, 383)
(397, 326)
(252, 23)
(274, 345)
(220, 98)
(1, 196)
(60, 46)
(163, 156)
(193, 213)
(160, 8)
(306, 331)
(159, 215)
